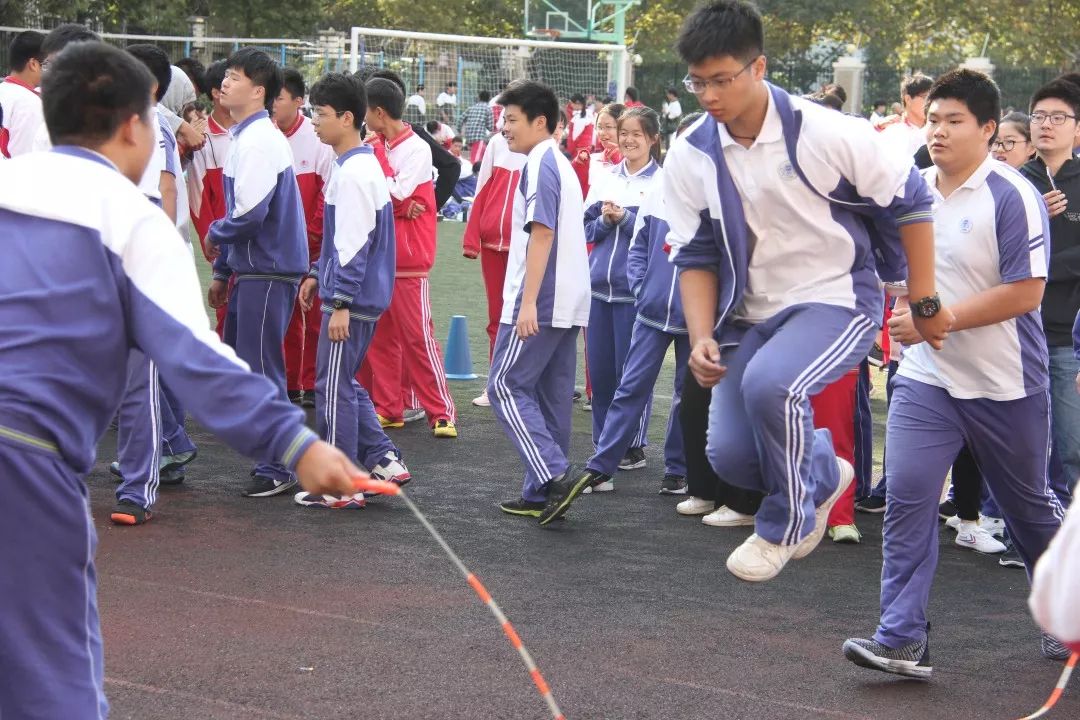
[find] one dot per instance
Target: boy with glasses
(779, 273)
(1055, 172)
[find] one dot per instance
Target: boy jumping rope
(763, 198)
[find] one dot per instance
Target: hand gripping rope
(368, 485)
(1058, 689)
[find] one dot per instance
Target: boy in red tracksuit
(493, 220)
(834, 410)
(312, 162)
(407, 357)
(205, 176)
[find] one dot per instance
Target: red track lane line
(1059, 689)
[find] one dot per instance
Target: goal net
(477, 63)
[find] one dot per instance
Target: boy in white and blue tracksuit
(779, 229)
(264, 232)
(653, 281)
(119, 261)
(612, 314)
(150, 420)
(987, 389)
(355, 275)
(533, 368)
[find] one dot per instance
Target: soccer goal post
(480, 63)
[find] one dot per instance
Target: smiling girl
(611, 210)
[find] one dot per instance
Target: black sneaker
(876, 356)
(296, 396)
(872, 504)
(261, 487)
(673, 485)
(564, 489)
(912, 660)
(946, 510)
(633, 460)
(172, 477)
(576, 396)
(128, 513)
(1054, 649)
(308, 400)
(1011, 557)
(522, 507)
(177, 461)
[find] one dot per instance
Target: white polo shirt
(990, 231)
(23, 116)
(798, 252)
(551, 195)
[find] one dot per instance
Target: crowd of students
(779, 245)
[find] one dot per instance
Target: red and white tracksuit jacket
(312, 164)
(493, 220)
(206, 191)
(406, 367)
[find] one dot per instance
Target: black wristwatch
(928, 307)
(342, 305)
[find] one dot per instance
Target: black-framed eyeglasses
(1006, 145)
(698, 86)
(1056, 118)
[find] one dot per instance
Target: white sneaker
(757, 559)
(606, 486)
(821, 513)
(954, 523)
(975, 537)
(695, 506)
(724, 516)
(391, 469)
(993, 525)
(482, 400)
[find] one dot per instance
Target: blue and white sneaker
(332, 502)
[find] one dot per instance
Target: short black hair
(631, 92)
(432, 126)
(457, 139)
(343, 92)
(157, 62)
(672, 91)
(385, 94)
(535, 100)
(261, 69)
(974, 89)
(484, 96)
(293, 82)
(722, 28)
(25, 46)
(1058, 89)
(915, 85)
(196, 72)
(419, 87)
(92, 89)
(63, 35)
(452, 84)
(388, 75)
(1072, 77)
(215, 75)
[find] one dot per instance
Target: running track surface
(224, 607)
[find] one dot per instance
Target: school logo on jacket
(786, 171)
(965, 225)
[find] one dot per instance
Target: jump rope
(370, 485)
